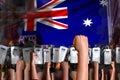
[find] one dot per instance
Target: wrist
(32, 62)
(113, 70)
(85, 53)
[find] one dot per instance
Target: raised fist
(80, 40)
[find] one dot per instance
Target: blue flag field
(58, 21)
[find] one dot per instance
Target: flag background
(78, 10)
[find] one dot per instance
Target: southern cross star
(103, 3)
(87, 22)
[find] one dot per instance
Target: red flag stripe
(30, 25)
(57, 23)
(49, 4)
(47, 14)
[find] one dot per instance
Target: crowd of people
(62, 70)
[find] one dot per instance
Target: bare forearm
(27, 72)
(73, 75)
(82, 69)
(80, 43)
(2, 75)
(113, 71)
(96, 74)
(19, 75)
(96, 70)
(40, 75)
(52, 76)
(12, 75)
(102, 74)
(20, 70)
(112, 75)
(64, 70)
(91, 73)
(34, 71)
(48, 74)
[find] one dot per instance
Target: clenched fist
(79, 41)
(20, 65)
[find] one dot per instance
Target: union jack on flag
(45, 15)
(58, 21)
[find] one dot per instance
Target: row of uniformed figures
(51, 54)
(104, 56)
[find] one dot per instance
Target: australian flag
(58, 21)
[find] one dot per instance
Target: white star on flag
(87, 22)
(103, 3)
